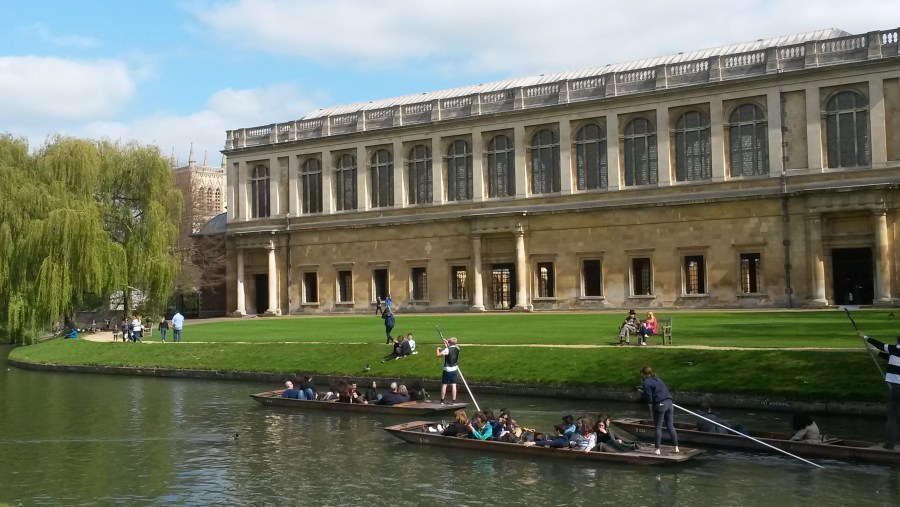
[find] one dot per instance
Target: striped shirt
(893, 353)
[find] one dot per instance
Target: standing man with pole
(450, 353)
(892, 377)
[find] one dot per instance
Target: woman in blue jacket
(657, 395)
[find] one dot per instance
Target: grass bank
(345, 345)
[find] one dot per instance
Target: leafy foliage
(81, 218)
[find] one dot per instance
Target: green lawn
(347, 344)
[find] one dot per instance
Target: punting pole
(747, 436)
(460, 371)
(865, 343)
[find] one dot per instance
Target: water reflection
(114, 440)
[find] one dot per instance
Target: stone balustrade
(873, 45)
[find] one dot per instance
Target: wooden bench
(665, 330)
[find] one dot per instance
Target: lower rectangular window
(310, 287)
(459, 289)
(345, 286)
(641, 277)
(694, 274)
(592, 278)
(545, 281)
(419, 284)
(750, 273)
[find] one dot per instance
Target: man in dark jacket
(393, 397)
(388, 317)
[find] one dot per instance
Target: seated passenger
(308, 388)
(393, 397)
(290, 392)
(372, 394)
(459, 427)
(479, 428)
(583, 438)
(350, 394)
(607, 440)
(418, 392)
(807, 430)
(72, 334)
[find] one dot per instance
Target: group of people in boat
(347, 391)
(584, 434)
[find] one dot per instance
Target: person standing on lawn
(660, 400)
(389, 322)
(892, 377)
(163, 327)
(177, 326)
(450, 353)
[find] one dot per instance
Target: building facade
(754, 175)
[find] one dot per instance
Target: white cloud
(518, 36)
(225, 110)
(42, 32)
(36, 89)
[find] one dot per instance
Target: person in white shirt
(177, 325)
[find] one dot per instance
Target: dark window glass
(419, 177)
(460, 288)
(692, 147)
(590, 158)
(545, 280)
(310, 287)
(501, 167)
(545, 176)
(311, 186)
(259, 192)
(847, 130)
(345, 183)
(694, 274)
(748, 146)
(419, 284)
(381, 179)
(639, 147)
(459, 171)
(750, 272)
(345, 286)
(641, 277)
(593, 278)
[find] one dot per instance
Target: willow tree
(61, 239)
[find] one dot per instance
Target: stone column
(438, 195)
(274, 187)
(478, 289)
(273, 283)
(814, 130)
(327, 183)
(522, 302)
(717, 139)
(817, 262)
(614, 170)
(231, 175)
(243, 211)
(882, 261)
(773, 123)
(241, 307)
(566, 182)
(478, 193)
(400, 179)
(663, 142)
(521, 162)
(293, 186)
(362, 179)
(878, 135)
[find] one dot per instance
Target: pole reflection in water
(68, 439)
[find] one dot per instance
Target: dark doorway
(503, 286)
(853, 276)
(262, 293)
(380, 277)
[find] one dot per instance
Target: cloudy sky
(180, 72)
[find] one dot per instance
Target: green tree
(81, 218)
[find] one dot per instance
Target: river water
(79, 439)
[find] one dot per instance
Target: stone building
(761, 174)
(203, 188)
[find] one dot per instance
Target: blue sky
(177, 73)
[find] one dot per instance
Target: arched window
(311, 186)
(748, 147)
(692, 147)
(259, 192)
(381, 179)
(459, 171)
(218, 201)
(639, 153)
(501, 167)
(847, 130)
(590, 158)
(419, 176)
(545, 162)
(209, 200)
(345, 182)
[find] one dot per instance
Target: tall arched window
(345, 182)
(639, 153)
(419, 177)
(209, 200)
(590, 158)
(218, 201)
(545, 162)
(459, 171)
(381, 179)
(847, 130)
(501, 167)
(311, 186)
(259, 191)
(748, 147)
(692, 147)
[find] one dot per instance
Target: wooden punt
(831, 448)
(416, 432)
(410, 408)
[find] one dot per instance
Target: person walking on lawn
(389, 322)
